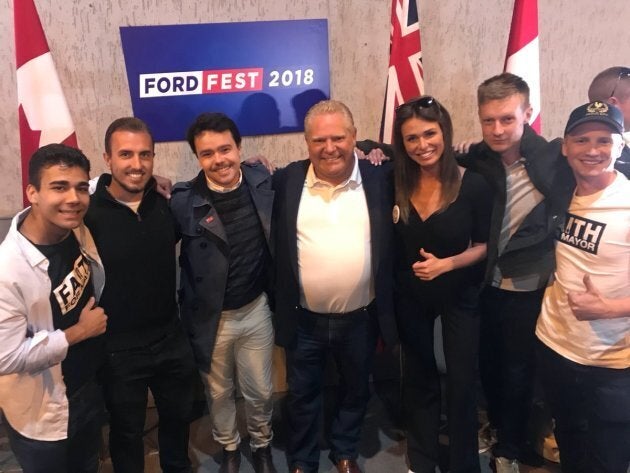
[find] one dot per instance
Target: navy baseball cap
(596, 112)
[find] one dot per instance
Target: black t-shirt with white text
(71, 286)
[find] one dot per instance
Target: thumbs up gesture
(429, 266)
(92, 322)
(589, 304)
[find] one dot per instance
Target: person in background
(51, 328)
(584, 325)
(147, 349)
(612, 86)
(441, 217)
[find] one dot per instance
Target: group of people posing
(520, 245)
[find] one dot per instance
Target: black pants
(507, 363)
(591, 407)
(76, 454)
(351, 339)
(421, 379)
(167, 368)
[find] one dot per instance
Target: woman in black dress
(441, 217)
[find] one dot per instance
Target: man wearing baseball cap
(584, 325)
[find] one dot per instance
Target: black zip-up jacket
(138, 253)
(531, 248)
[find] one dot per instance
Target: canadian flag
(522, 56)
(43, 112)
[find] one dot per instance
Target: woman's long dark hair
(407, 171)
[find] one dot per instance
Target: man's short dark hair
(55, 155)
(212, 121)
(502, 86)
(612, 81)
(132, 124)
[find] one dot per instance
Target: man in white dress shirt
(333, 282)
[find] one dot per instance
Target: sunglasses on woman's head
(425, 101)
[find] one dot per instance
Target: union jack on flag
(405, 77)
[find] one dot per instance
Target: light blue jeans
(242, 354)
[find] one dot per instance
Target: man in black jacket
(520, 256)
(135, 233)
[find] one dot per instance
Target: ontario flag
(42, 109)
(405, 76)
(522, 56)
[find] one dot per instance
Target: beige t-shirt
(595, 241)
(521, 198)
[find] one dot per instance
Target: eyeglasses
(424, 101)
(625, 72)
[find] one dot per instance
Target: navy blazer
(204, 255)
(379, 193)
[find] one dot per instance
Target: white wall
(463, 42)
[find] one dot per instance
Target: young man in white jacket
(50, 325)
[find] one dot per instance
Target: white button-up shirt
(334, 245)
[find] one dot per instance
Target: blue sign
(264, 75)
